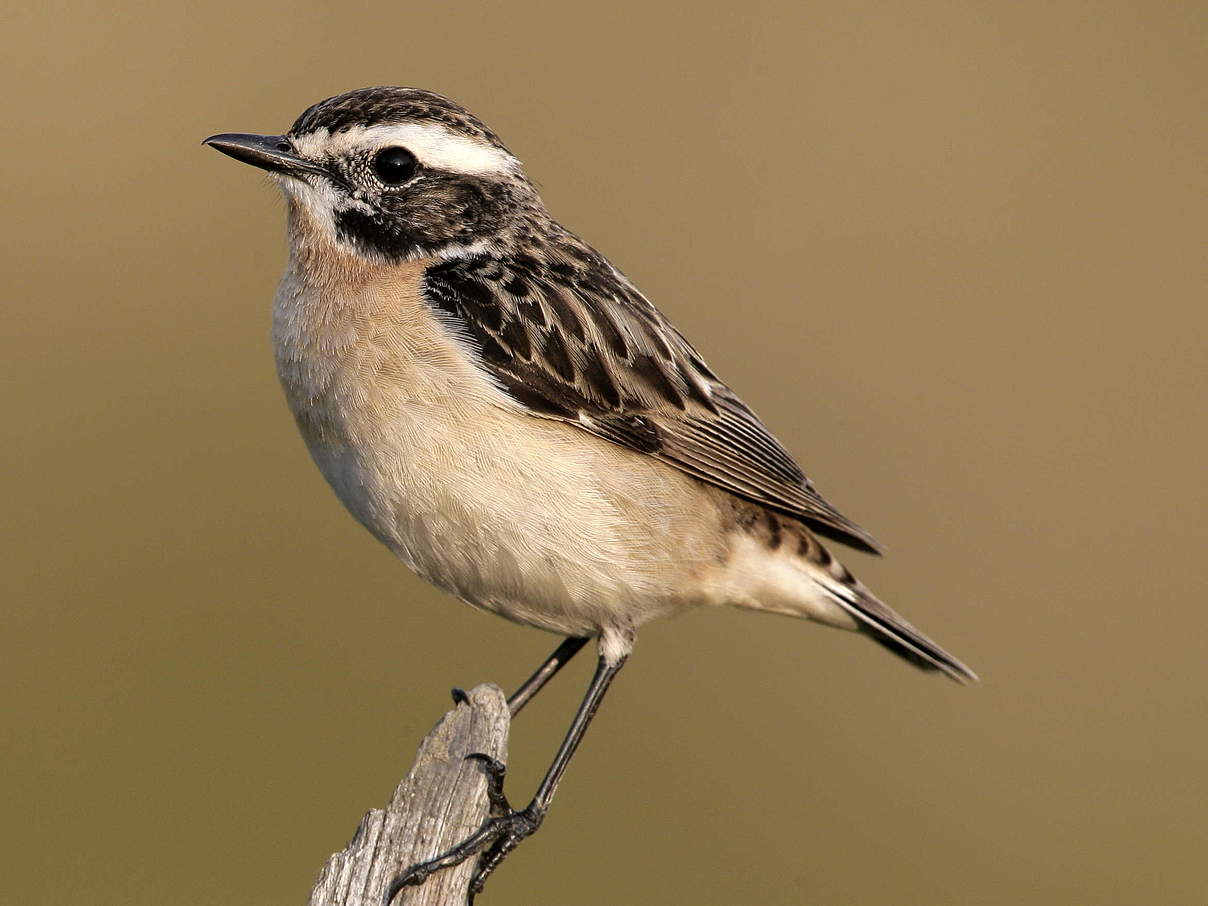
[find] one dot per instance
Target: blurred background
(952, 252)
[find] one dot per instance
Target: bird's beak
(274, 153)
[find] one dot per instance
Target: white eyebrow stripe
(433, 145)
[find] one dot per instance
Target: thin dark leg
(500, 835)
(525, 823)
(546, 672)
(587, 710)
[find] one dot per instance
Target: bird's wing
(570, 338)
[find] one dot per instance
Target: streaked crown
(387, 106)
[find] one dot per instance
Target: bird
(503, 409)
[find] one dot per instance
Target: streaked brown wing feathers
(572, 339)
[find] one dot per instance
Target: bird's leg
(535, 683)
(519, 825)
(495, 769)
(546, 672)
(500, 834)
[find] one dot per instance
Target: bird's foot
(514, 827)
(496, 772)
(498, 836)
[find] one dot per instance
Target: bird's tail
(874, 619)
(781, 567)
(804, 580)
(886, 628)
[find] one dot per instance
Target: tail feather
(781, 567)
(888, 629)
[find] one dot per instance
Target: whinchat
(508, 414)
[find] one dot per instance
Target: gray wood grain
(439, 803)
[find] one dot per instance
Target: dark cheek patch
(436, 210)
(374, 233)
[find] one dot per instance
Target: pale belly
(529, 518)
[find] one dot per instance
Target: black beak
(274, 153)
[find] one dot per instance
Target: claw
(496, 771)
(459, 696)
(412, 877)
(490, 763)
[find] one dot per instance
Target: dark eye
(394, 166)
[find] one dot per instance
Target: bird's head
(390, 174)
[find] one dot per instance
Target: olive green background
(952, 252)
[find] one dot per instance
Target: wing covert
(570, 338)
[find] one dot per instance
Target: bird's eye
(394, 166)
